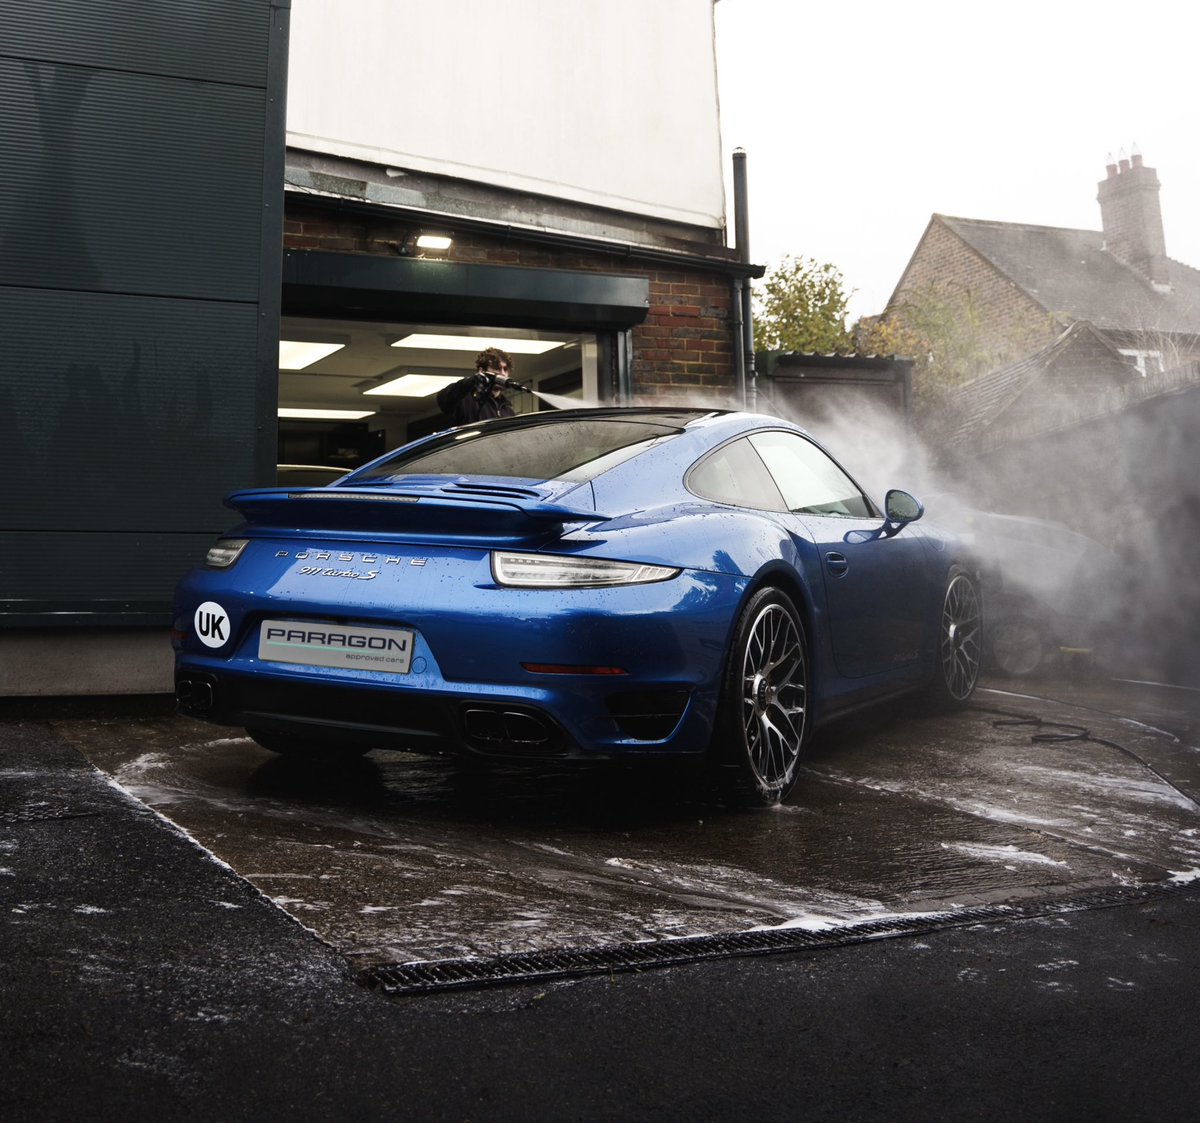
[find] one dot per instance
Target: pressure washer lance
(555, 401)
(486, 379)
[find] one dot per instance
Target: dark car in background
(1054, 595)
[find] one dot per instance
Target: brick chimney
(1132, 218)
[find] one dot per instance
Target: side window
(735, 474)
(811, 482)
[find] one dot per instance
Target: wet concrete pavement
(398, 858)
(143, 980)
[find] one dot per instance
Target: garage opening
(372, 339)
(351, 390)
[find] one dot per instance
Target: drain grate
(560, 963)
(38, 813)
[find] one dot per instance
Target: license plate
(336, 645)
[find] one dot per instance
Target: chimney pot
(1132, 218)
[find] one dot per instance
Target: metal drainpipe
(747, 376)
(625, 366)
(739, 353)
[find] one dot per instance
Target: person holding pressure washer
(479, 396)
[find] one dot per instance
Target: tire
(1017, 647)
(762, 717)
(299, 747)
(960, 642)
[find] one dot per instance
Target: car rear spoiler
(398, 510)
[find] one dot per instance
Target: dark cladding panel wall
(140, 225)
(124, 420)
(71, 576)
(145, 208)
(223, 43)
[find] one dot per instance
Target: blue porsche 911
(588, 584)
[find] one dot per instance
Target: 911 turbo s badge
(353, 574)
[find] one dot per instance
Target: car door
(875, 583)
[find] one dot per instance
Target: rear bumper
(669, 719)
(590, 672)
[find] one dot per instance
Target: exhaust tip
(195, 695)
(498, 729)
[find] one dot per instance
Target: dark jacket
(462, 404)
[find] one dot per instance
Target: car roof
(660, 415)
(683, 417)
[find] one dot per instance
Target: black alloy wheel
(960, 641)
(763, 715)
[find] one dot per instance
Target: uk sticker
(212, 624)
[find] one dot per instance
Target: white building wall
(611, 103)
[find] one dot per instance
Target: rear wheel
(301, 747)
(763, 715)
(960, 641)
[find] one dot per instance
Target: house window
(1147, 362)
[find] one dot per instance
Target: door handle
(837, 564)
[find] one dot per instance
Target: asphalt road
(144, 978)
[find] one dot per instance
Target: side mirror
(902, 508)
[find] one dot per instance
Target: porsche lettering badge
(342, 556)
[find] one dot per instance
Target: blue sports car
(588, 584)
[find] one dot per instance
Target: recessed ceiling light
(414, 385)
(478, 343)
(325, 414)
(295, 354)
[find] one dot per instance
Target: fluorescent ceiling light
(478, 343)
(434, 242)
(414, 385)
(294, 354)
(326, 414)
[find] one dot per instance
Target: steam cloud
(1088, 535)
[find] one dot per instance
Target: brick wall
(684, 351)
(1009, 319)
(682, 354)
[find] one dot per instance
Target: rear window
(735, 474)
(553, 450)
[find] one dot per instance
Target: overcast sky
(862, 118)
